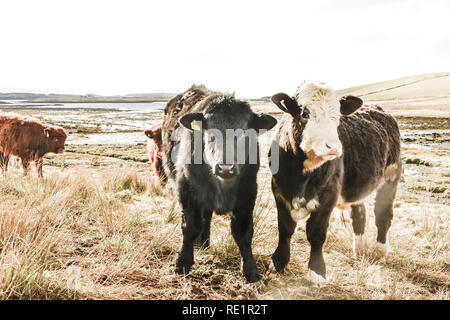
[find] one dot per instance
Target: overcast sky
(255, 48)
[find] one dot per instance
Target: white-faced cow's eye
(305, 114)
(212, 138)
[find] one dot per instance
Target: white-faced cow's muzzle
(320, 138)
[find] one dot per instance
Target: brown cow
(28, 139)
(154, 153)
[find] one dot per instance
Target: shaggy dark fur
(200, 190)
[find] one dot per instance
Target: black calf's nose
(225, 171)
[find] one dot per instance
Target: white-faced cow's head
(316, 111)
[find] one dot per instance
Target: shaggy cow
(155, 154)
(331, 155)
(28, 139)
(198, 123)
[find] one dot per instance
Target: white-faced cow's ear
(264, 121)
(350, 104)
(192, 121)
(285, 103)
(149, 133)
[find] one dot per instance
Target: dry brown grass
(96, 227)
(90, 233)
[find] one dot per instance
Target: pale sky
(255, 48)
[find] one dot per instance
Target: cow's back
(371, 149)
(20, 136)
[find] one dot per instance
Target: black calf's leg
(192, 227)
(384, 203)
(4, 160)
(203, 239)
(242, 231)
(359, 222)
(286, 228)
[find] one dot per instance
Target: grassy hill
(412, 87)
(426, 95)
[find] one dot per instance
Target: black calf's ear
(264, 121)
(350, 104)
(192, 121)
(285, 103)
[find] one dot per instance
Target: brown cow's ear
(149, 133)
(264, 121)
(192, 121)
(285, 103)
(350, 104)
(47, 132)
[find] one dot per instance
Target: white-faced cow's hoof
(359, 244)
(316, 279)
(381, 250)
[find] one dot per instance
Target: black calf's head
(229, 130)
(316, 111)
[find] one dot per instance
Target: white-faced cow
(332, 153)
(204, 135)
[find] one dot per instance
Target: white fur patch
(301, 211)
(312, 205)
(359, 244)
(324, 114)
(299, 214)
(298, 202)
(316, 279)
(381, 249)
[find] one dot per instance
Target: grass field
(96, 227)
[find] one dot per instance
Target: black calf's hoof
(182, 267)
(279, 264)
(252, 276)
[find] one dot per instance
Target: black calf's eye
(305, 115)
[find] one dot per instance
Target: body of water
(122, 106)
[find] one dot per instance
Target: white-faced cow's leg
(358, 214)
(39, 165)
(286, 228)
(4, 160)
(316, 232)
(383, 215)
(192, 227)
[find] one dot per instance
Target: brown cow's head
(316, 111)
(154, 133)
(56, 139)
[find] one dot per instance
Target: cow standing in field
(332, 153)
(154, 151)
(28, 139)
(210, 151)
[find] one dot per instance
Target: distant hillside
(67, 98)
(412, 87)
